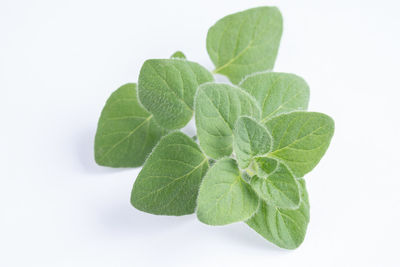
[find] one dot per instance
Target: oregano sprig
(255, 138)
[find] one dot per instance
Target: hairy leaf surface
(167, 88)
(264, 166)
(217, 107)
(169, 181)
(126, 132)
(300, 139)
(245, 42)
(284, 228)
(279, 189)
(250, 139)
(277, 92)
(224, 197)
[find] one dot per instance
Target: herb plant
(255, 140)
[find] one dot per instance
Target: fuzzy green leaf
(284, 228)
(250, 139)
(169, 181)
(224, 197)
(277, 93)
(217, 107)
(126, 132)
(278, 189)
(264, 166)
(245, 42)
(167, 88)
(300, 139)
(179, 54)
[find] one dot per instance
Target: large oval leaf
(284, 228)
(217, 107)
(126, 132)
(277, 92)
(245, 42)
(167, 88)
(224, 197)
(300, 139)
(169, 181)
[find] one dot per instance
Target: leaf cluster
(255, 139)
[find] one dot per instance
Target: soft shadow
(124, 220)
(85, 154)
(241, 233)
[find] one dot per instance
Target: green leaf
(169, 181)
(250, 139)
(224, 197)
(264, 166)
(300, 139)
(167, 88)
(284, 228)
(277, 93)
(245, 42)
(304, 199)
(179, 54)
(126, 132)
(279, 189)
(217, 107)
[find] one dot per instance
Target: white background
(59, 62)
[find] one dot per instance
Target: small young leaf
(167, 88)
(217, 107)
(224, 197)
(179, 54)
(300, 139)
(284, 228)
(279, 189)
(169, 181)
(126, 132)
(264, 166)
(250, 139)
(277, 92)
(245, 42)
